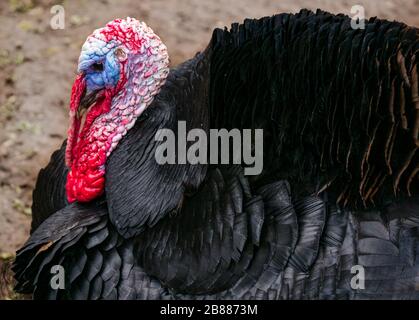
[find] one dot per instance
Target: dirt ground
(38, 65)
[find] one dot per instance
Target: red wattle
(77, 90)
(86, 178)
(84, 186)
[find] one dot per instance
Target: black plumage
(340, 113)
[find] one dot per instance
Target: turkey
(339, 109)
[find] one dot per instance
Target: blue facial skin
(99, 64)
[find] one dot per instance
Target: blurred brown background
(38, 65)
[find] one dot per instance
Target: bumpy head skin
(121, 68)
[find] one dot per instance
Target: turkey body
(340, 113)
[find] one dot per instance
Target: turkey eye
(120, 54)
(98, 66)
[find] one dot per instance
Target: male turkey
(340, 112)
